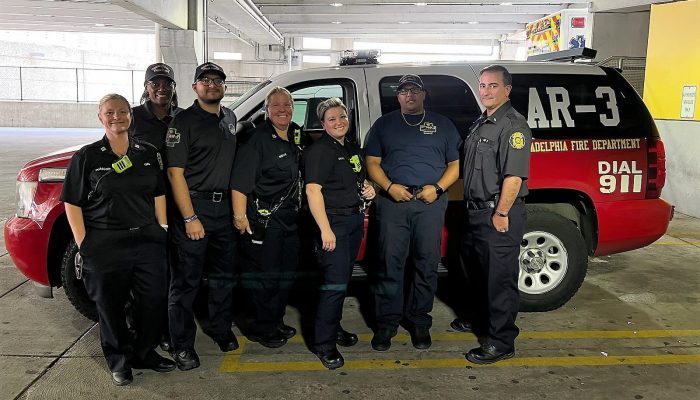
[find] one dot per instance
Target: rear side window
(447, 95)
(559, 106)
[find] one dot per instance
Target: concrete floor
(632, 332)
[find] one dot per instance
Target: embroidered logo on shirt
(282, 155)
(146, 164)
(428, 128)
(102, 169)
(160, 161)
(232, 129)
(355, 162)
(172, 138)
(517, 140)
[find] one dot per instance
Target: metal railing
(633, 69)
(85, 85)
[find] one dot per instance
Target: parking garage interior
(631, 331)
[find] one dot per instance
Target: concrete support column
(179, 50)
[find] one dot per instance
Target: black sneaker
(186, 359)
(271, 340)
(287, 331)
(345, 338)
(381, 341)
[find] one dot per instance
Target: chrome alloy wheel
(543, 262)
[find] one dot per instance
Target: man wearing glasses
(413, 155)
(200, 146)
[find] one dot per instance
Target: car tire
(74, 287)
(553, 261)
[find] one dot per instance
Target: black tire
(74, 287)
(553, 261)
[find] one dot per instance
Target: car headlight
(25, 198)
(52, 174)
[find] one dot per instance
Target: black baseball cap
(159, 69)
(208, 67)
(410, 79)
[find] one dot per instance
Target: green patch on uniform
(517, 140)
(356, 165)
(122, 164)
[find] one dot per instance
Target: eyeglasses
(404, 92)
(161, 85)
(209, 81)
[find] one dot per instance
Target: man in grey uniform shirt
(496, 166)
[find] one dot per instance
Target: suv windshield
(247, 94)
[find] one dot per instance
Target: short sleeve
(76, 185)
(247, 165)
(317, 167)
(453, 142)
(160, 178)
(177, 142)
(373, 145)
(515, 148)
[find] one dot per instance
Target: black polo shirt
(338, 169)
(111, 200)
(204, 144)
(266, 165)
(146, 127)
(496, 147)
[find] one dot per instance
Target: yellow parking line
(535, 335)
(232, 360)
(285, 366)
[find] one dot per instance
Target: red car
(597, 169)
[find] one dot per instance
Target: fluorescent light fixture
(316, 43)
(316, 59)
(100, 25)
(336, 4)
(225, 55)
(473, 22)
(404, 22)
(421, 4)
(507, 3)
(336, 22)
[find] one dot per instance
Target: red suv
(597, 168)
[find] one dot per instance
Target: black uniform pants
(268, 271)
(414, 228)
(118, 264)
(491, 260)
(336, 267)
(209, 260)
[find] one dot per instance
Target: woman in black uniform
(336, 189)
(114, 195)
(266, 198)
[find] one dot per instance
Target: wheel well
(572, 205)
(60, 236)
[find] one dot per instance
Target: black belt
(344, 211)
(215, 197)
(481, 205)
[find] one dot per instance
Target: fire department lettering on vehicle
(560, 103)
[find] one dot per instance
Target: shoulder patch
(517, 140)
(172, 137)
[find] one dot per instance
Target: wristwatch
(438, 189)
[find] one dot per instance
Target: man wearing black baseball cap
(200, 147)
(412, 154)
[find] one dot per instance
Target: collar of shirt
(496, 116)
(152, 116)
(134, 145)
(206, 114)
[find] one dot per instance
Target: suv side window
(575, 106)
(446, 95)
(307, 95)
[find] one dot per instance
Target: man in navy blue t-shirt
(413, 155)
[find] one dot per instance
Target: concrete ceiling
(263, 21)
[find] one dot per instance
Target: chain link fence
(632, 68)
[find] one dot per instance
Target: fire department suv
(596, 174)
